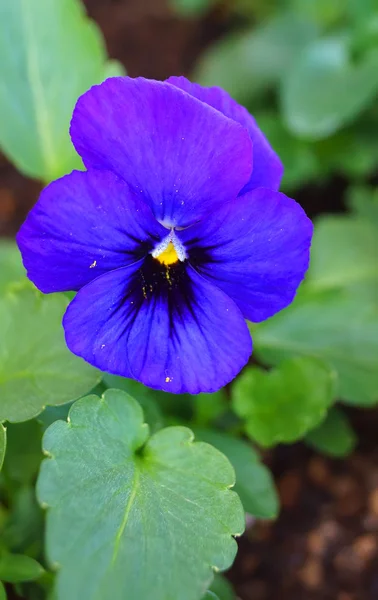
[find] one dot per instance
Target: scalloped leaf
(148, 517)
(51, 53)
(283, 404)
(254, 482)
(36, 367)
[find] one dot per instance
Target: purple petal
(181, 335)
(267, 167)
(97, 321)
(84, 225)
(257, 251)
(183, 157)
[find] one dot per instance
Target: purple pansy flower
(172, 237)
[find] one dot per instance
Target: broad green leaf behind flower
(50, 54)
(11, 269)
(36, 367)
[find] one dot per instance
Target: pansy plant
(173, 235)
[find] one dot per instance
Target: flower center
(168, 256)
(170, 250)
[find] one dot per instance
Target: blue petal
(85, 224)
(267, 168)
(178, 333)
(98, 320)
(182, 156)
(256, 251)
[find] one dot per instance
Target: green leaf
(11, 269)
(24, 451)
(16, 568)
(209, 407)
(285, 403)
(210, 596)
(324, 89)
(51, 54)
(36, 367)
(113, 68)
(254, 483)
(3, 594)
(336, 326)
(222, 588)
(334, 436)
(3, 444)
(147, 398)
(141, 509)
(249, 63)
(344, 252)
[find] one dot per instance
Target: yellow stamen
(168, 256)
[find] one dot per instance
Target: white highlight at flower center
(170, 247)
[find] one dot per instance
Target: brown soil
(324, 546)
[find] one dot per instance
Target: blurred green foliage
(334, 436)
(308, 71)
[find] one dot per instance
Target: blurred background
(308, 71)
